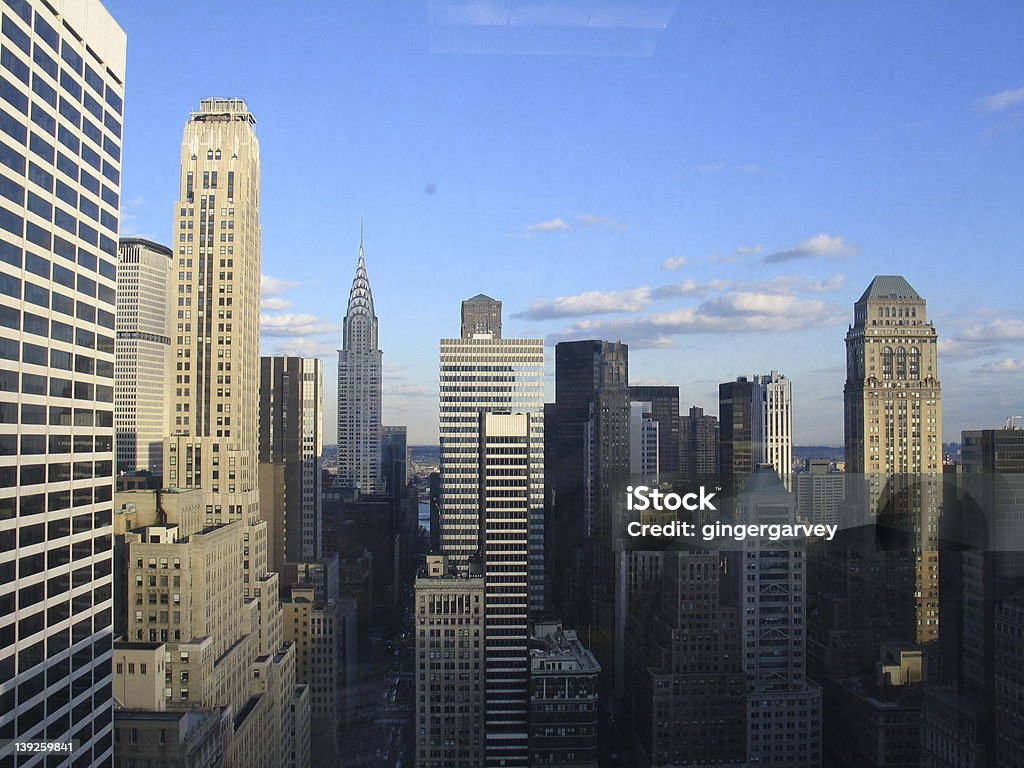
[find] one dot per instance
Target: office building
(142, 354)
(449, 627)
(1009, 681)
(480, 374)
(587, 448)
(644, 454)
(61, 180)
(481, 315)
(291, 441)
(505, 457)
(664, 402)
(698, 444)
(687, 693)
(563, 698)
(315, 626)
(783, 707)
(772, 424)
(819, 491)
(359, 388)
(755, 427)
(394, 459)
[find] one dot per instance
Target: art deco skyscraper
(772, 427)
(893, 419)
(61, 183)
(359, 388)
(215, 431)
(142, 353)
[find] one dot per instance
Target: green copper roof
(890, 287)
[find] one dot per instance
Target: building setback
(142, 357)
(359, 388)
(58, 259)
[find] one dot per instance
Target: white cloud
(1007, 365)
(407, 390)
(302, 347)
(275, 286)
(589, 303)
(710, 167)
(748, 250)
(994, 330)
(1002, 100)
(593, 221)
(812, 247)
(688, 288)
(551, 225)
(274, 303)
(295, 325)
(674, 264)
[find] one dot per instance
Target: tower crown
(360, 333)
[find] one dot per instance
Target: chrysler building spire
(359, 387)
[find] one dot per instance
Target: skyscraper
(291, 416)
(664, 402)
(893, 418)
(481, 374)
(504, 470)
(359, 388)
(756, 427)
(197, 552)
(58, 258)
(783, 706)
(698, 444)
(142, 354)
(772, 425)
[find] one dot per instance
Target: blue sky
(713, 183)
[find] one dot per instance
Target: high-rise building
(449, 631)
(688, 689)
(893, 417)
(359, 388)
(735, 430)
(198, 587)
(588, 463)
(481, 374)
(394, 458)
(1009, 681)
(504, 508)
(756, 427)
(291, 441)
(481, 314)
(772, 426)
(819, 491)
(58, 259)
(783, 707)
(142, 354)
(664, 402)
(698, 444)
(644, 456)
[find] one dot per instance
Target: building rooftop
(149, 244)
(890, 287)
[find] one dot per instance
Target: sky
(714, 184)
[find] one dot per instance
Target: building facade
(359, 388)
(698, 444)
(480, 374)
(291, 442)
(142, 356)
(772, 425)
(664, 402)
(449, 626)
(504, 508)
(60, 172)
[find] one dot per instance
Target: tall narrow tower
(359, 388)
